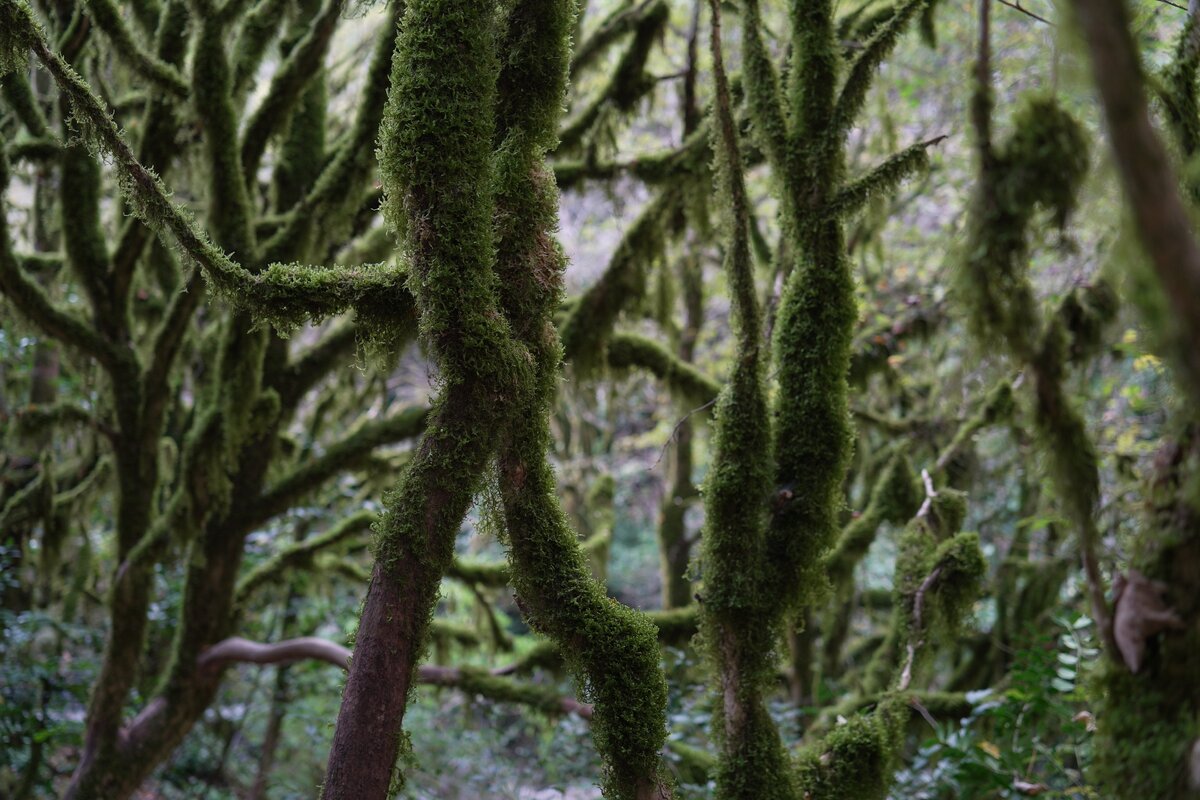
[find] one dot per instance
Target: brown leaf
(1031, 789)
(1140, 613)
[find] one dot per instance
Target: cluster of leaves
(1031, 739)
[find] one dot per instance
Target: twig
(675, 431)
(923, 711)
(929, 495)
(918, 610)
(1018, 7)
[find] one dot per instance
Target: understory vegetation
(634, 398)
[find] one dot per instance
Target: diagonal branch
(338, 457)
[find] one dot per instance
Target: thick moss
(1149, 722)
(855, 760)
(1145, 735)
(612, 649)
(741, 623)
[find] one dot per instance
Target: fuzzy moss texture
(752, 760)
(463, 160)
(760, 568)
(612, 649)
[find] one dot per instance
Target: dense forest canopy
(638, 398)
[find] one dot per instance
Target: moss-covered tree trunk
(1148, 715)
(464, 143)
(674, 542)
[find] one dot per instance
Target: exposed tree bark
(1151, 184)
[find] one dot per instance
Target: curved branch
(154, 70)
(31, 300)
(682, 378)
(287, 84)
(237, 650)
(354, 159)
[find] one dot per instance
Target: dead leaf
(1030, 789)
(1140, 612)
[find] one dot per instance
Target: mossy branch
(895, 497)
(1179, 87)
(435, 159)
(862, 70)
(168, 341)
(481, 573)
(257, 30)
(129, 49)
(620, 22)
(591, 319)
(997, 407)
(42, 265)
(145, 191)
(740, 617)
(308, 368)
(157, 150)
(652, 169)
(882, 180)
(684, 380)
(611, 649)
(35, 418)
(354, 158)
(628, 82)
(469, 680)
(763, 95)
(19, 95)
(41, 149)
(339, 456)
(277, 566)
(285, 296)
(287, 84)
(230, 209)
(28, 297)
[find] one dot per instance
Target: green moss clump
(963, 569)
(938, 576)
(1041, 166)
(1044, 161)
(1085, 313)
(1144, 736)
(947, 512)
(854, 761)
